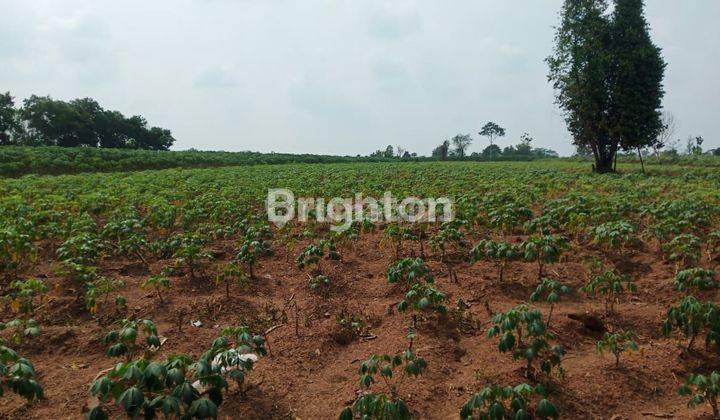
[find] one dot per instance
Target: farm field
(601, 257)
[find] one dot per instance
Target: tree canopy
(607, 75)
(77, 123)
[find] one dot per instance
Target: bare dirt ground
(311, 371)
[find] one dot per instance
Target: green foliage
(24, 295)
(614, 234)
(397, 234)
(617, 343)
(159, 283)
(191, 254)
(81, 249)
(16, 249)
(127, 236)
(17, 374)
(545, 224)
(449, 239)
(501, 252)
(77, 273)
(123, 342)
(713, 245)
(409, 271)
(385, 405)
(446, 239)
(179, 387)
(231, 273)
(251, 250)
(83, 123)
(235, 353)
(608, 104)
(100, 287)
(143, 388)
(314, 253)
(545, 249)
(612, 286)
(422, 297)
(498, 403)
(320, 283)
(692, 317)
(702, 389)
(696, 278)
(534, 345)
(551, 290)
(22, 328)
(507, 217)
(492, 131)
(683, 250)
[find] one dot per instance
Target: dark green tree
(524, 148)
(442, 150)
(607, 75)
(8, 120)
(460, 143)
(579, 72)
(492, 150)
(53, 123)
(83, 122)
(492, 131)
(636, 80)
(389, 152)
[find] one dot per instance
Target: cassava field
(168, 293)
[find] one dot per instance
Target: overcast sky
(333, 76)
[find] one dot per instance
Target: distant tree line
(666, 145)
(17, 161)
(43, 121)
(457, 147)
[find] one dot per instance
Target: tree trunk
(604, 164)
(642, 164)
(615, 162)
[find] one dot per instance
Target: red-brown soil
(312, 374)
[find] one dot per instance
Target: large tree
(635, 78)
(461, 142)
(607, 75)
(8, 120)
(492, 131)
(442, 150)
(579, 69)
(83, 122)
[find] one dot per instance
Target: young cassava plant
(551, 291)
(703, 389)
(696, 279)
(448, 239)
(509, 402)
(617, 343)
(523, 332)
(692, 317)
(545, 249)
(500, 252)
(409, 271)
(123, 342)
(390, 371)
(610, 285)
(232, 272)
(17, 374)
(159, 283)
